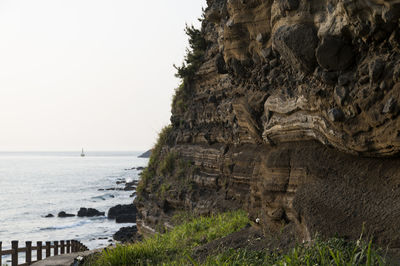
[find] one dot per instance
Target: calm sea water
(34, 184)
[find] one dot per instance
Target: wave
(61, 227)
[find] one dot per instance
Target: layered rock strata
(293, 116)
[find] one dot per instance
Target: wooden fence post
(73, 246)
(14, 256)
(68, 246)
(39, 251)
(55, 248)
(62, 247)
(48, 249)
(28, 252)
(1, 263)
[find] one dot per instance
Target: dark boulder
(334, 54)
(63, 214)
(127, 234)
(335, 115)
(126, 218)
(118, 210)
(49, 215)
(84, 212)
(296, 44)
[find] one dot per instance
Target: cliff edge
(291, 112)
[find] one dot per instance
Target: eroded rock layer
(293, 116)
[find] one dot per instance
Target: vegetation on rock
(174, 247)
(194, 55)
(333, 251)
(151, 169)
(177, 246)
(192, 62)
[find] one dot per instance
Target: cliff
(293, 115)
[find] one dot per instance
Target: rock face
(292, 116)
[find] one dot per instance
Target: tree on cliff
(194, 54)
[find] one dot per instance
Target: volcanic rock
(63, 214)
(84, 212)
(119, 210)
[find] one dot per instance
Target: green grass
(150, 171)
(329, 252)
(174, 247)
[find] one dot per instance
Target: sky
(93, 74)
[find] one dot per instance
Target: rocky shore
(121, 214)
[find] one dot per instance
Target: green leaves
(194, 55)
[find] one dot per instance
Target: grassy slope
(176, 247)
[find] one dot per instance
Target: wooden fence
(62, 247)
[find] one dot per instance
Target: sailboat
(82, 153)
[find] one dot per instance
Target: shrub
(194, 55)
(186, 72)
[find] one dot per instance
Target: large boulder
(126, 218)
(119, 210)
(84, 212)
(334, 54)
(296, 43)
(127, 234)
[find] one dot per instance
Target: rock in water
(125, 218)
(63, 214)
(84, 212)
(119, 210)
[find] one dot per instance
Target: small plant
(167, 165)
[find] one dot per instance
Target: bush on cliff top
(174, 247)
(192, 62)
(194, 55)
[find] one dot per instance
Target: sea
(35, 184)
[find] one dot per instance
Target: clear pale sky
(96, 74)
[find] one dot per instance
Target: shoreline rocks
(63, 214)
(90, 212)
(122, 210)
(127, 234)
